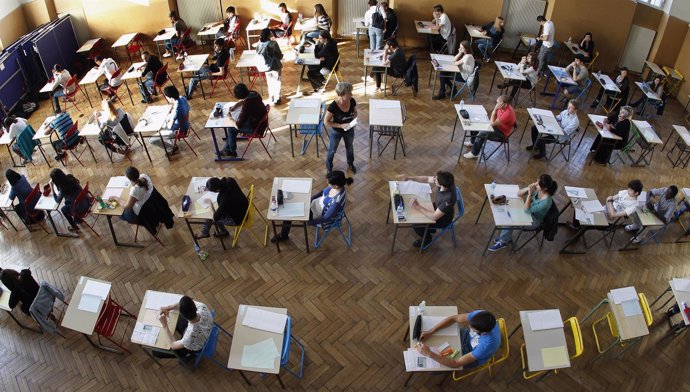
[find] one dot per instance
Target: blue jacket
(332, 206)
(181, 122)
(21, 190)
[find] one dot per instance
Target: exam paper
(681, 284)
(545, 319)
(145, 334)
(291, 210)
(89, 303)
(98, 289)
(416, 361)
(157, 300)
(510, 191)
(118, 182)
(296, 186)
(261, 355)
(583, 217)
(592, 206)
(264, 320)
(414, 188)
(631, 308)
(575, 192)
(623, 294)
(429, 322)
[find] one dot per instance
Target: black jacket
(154, 212)
(24, 292)
(329, 51)
(153, 65)
(231, 201)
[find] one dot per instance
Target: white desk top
(249, 58)
(374, 59)
(5, 201)
(210, 29)
(427, 27)
(88, 45)
(603, 132)
(655, 68)
(606, 82)
(169, 32)
(299, 115)
(412, 216)
(244, 336)
(648, 92)
(479, 118)
(680, 130)
(150, 317)
(41, 133)
(134, 71)
(91, 76)
(93, 125)
(6, 139)
(307, 58)
(536, 341)
(509, 215)
(193, 63)
(435, 340)
(48, 87)
(124, 40)
(475, 31)
(47, 203)
(629, 327)
(385, 112)
(224, 121)
(296, 198)
(258, 25)
(196, 190)
(681, 296)
(153, 119)
(561, 76)
(594, 219)
(509, 71)
(306, 24)
(446, 63)
(574, 48)
(545, 121)
(647, 131)
(81, 320)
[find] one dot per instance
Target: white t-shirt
(18, 127)
(196, 334)
(369, 13)
(141, 194)
(550, 31)
(62, 78)
(466, 66)
(626, 203)
(444, 26)
(109, 67)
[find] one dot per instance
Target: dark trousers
(447, 79)
(79, 208)
(334, 141)
(436, 42)
(516, 86)
(315, 77)
(466, 346)
(287, 225)
(378, 74)
(479, 138)
(541, 146)
(419, 229)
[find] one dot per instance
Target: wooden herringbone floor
(349, 306)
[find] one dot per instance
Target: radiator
(348, 11)
(197, 13)
(522, 18)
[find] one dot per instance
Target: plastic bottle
(203, 255)
(462, 104)
(686, 310)
(101, 204)
(400, 209)
(274, 204)
(300, 17)
(421, 308)
(570, 40)
(493, 186)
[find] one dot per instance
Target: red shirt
(506, 117)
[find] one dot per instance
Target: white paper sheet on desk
(118, 182)
(583, 217)
(111, 193)
(89, 303)
(623, 294)
(416, 361)
(387, 104)
(542, 112)
(575, 191)
(296, 186)
(145, 334)
(260, 355)
(519, 216)
(291, 210)
(681, 284)
(592, 206)
(156, 301)
(631, 308)
(308, 119)
(98, 289)
(545, 319)
(510, 191)
(414, 188)
(264, 320)
(429, 322)
(307, 103)
(206, 197)
(686, 191)
(46, 203)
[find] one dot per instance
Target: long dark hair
(10, 278)
(337, 178)
(66, 183)
(547, 184)
(318, 9)
(12, 177)
(133, 175)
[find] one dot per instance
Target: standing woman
(618, 125)
(465, 61)
(587, 46)
(339, 115)
(269, 50)
(139, 193)
(67, 187)
(23, 286)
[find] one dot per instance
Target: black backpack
(377, 20)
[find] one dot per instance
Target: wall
(681, 10)
(647, 17)
(682, 64)
(13, 27)
(609, 36)
(38, 12)
(461, 12)
(668, 41)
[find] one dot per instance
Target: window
(653, 3)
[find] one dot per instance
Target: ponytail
(133, 175)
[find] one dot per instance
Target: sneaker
(226, 153)
(201, 235)
(529, 148)
(469, 155)
(637, 239)
(279, 238)
(467, 144)
(498, 246)
(630, 228)
(539, 156)
(438, 97)
(167, 54)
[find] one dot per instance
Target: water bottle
(274, 204)
(421, 307)
(101, 204)
(300, 17)
(462, 104)
(570, 40)
(400, 209)
(686, 310)
(203, 255)
(493, 186)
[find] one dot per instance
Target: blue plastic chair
(468, 84)
(285, 356)
(309, 131)
(335, 223)
(451, 226)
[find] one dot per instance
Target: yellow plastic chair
(248, 221)
(498, 357)
(671, 81)
(578, 349)
(646, 312)
(334, 72)
(589, 66)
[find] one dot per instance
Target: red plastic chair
(161, 71)
(33, 215)
(113, 90)
(82, 215)
(260, 132)
(183, 136)
(135, 47)
(108, 320)
(254, 75)
(224, 78)
(74, 129)
(71, 97)
(181, 47)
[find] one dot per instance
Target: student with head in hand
(180, 115)
(494, 30)
(139, 193)
(502, 121)
(622, 81)
(194, 324)
(444, 26)
(569, 123)
(61, 77)
(23, 287)
(66, 187)
(232, 206)
(465, 61)
(247, 113)
(284, 28)
(113, 76)
(179, 25)
(394, 59)
(216, 69)
(149, 72)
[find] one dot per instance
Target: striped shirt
(62, 123)
(323, 22)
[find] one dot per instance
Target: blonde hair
(109, 108)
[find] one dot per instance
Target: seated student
(62, 124)
(465, 61)
(284, 29)
(623, 205)
(323, 24)
(232, 206)
(216, 69)
(248, 112)
(180, 27)
(324, 205)
(656, 86)
(270, 53)
(20, 130)
(578, 71)
(141, 190)
(327, 51)
(623, 83)
(109, 68)
(587, 46)
(537, 203)
(662, 203)
(20, 190)
(180, 112)
(442, 22)
(375, 22)
(444, 205)
(231, 26)
(116, 128)
(194, 323)
(391, 20)
(568, 121)
(528, 68)
(618, 124)
(61, 77)
(479, 342)
(150, 72)
(494, 30)
(23, 287)
(394, 58)
(66, 187)
(502, 120)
